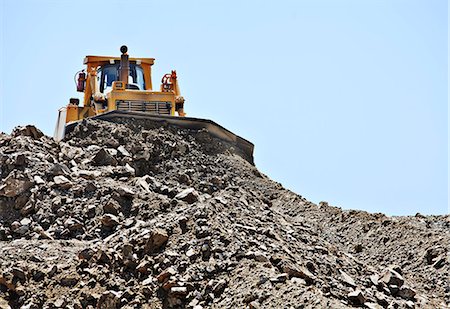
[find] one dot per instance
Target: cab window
(110, 73)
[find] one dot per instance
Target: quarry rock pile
(138, 215)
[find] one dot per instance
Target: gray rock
(69, 280)
(191, 253)
(4, 303)
(165, 274)
(406, 292)
(157, 238)
(347, 279)
(60, 303)
(112, 207)
(189, 195)
(42, 233)
(372, 305)
(62, 182)
(219, 287)
(432, 253)
(257, 256)
(374, 279)
(358, 248)
(18, 228)
(28, 130)
(178, 291)
(109, 300)
(25, 221)
(59, 169)
(440, 261)
(38, 180)
(125, 192)
(86, 254)
(102, 157)
(124, 171)
(38, 275)
(381, 299)
(254, 305)
(143, 182)
(393, 289)
(391, 277)
(71, 152)
(109, 220)
(73, 224)
(112, 151)
(12, 186)
(19, 273)
(144, 267)
(89, 174)
(356, 297)
(300, 271)
(280, 278)
(121, 149)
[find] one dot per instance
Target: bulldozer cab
(106, 71)
(109, 73)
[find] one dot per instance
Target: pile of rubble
(135, 215)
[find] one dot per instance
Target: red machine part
(81, 81)
(168, 80)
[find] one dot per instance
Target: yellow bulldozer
(121, 87)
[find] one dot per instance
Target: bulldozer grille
(161, 108)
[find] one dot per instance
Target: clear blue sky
(346, 101)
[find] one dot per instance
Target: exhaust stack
(124, 69)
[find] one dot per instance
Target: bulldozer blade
(216, 130)
(60, 124)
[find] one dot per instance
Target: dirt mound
(135, 215)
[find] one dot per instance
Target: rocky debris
(139, 215)
(28, 130)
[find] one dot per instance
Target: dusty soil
(135, 215)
